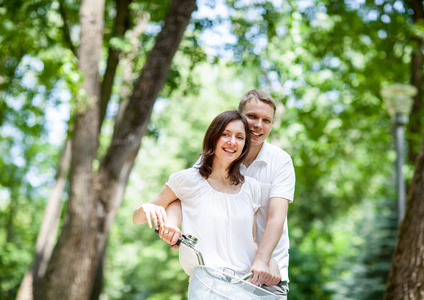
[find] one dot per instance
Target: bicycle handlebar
(190, 242)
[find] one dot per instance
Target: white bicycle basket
(211, 284)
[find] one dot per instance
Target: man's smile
(255, 133)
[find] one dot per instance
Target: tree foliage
(323, 61)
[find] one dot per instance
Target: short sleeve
(175, 181)
(283, 183)
(184, 183)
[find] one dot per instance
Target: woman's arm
(170, 232)
(155, 209)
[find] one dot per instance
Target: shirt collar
(262, 155)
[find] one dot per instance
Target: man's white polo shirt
(273, 168)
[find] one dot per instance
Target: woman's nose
(232, 140)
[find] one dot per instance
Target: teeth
(255, 133)
(231, 151)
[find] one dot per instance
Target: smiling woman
(212, 192)
(228, 148)
(228, 131)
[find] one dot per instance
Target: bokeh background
(324, 62)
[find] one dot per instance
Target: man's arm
(277, 212)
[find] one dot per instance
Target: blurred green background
(324, 62)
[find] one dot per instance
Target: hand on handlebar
(275, 273)
(170, 234)
(264, 273)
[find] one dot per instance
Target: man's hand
(261, 273)
(264, 273)
(275, 273)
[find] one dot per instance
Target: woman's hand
(155, 213)
(170, 234)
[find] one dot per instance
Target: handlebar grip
(180, 238)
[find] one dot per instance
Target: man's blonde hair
(258, 95)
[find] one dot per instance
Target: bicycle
(212, 284)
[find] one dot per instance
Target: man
(273, 168)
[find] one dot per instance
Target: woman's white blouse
(222, 222)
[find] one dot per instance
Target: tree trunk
(94, 200)
(47, 236)
(406, 276)
(70, 271)
(415, 120)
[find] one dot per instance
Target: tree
(415, 124)
(95, 195)
(323, 61)
(406, 275)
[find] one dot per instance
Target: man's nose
(258, 123)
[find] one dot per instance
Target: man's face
(260, 117)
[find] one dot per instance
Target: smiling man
(273, 168)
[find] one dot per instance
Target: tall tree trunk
(406, 276)
(49, 227)
(70, 271)
(94, 200)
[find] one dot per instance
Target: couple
(237, 194)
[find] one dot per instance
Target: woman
(218, 203)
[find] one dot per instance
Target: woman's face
(231, 142)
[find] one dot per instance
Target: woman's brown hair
(213, 133)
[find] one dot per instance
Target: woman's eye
(240, 137)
